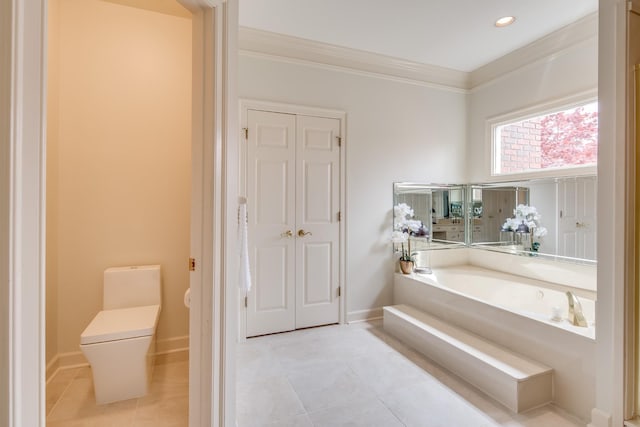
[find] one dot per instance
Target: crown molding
(547, 47)
(253, 41)
(261, 43)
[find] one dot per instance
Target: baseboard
(363, 315)
(52, 367)
(170, 345)
(168, 349)
(599, 418)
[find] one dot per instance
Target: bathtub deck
(513, 380)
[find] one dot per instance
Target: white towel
(244, 277)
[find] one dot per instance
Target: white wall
(396, 131)
(567, 73)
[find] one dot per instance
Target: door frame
(23, 59)
(277, 107)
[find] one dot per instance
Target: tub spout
(575, 310)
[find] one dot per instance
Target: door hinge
(245, 302)
(339, 291)
(339, 138)
(339, 216)
(246, 133)
(192, 264)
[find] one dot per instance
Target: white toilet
(120, 341)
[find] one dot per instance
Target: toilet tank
(131, 286)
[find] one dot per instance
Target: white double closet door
(293, 202)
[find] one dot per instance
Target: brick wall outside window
(520, 146)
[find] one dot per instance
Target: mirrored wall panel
(554, 217)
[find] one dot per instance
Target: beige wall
(121, 167)
(53, 130)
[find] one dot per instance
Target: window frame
(536, 110)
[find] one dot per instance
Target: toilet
(119, 343)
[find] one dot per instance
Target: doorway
(118, 177)
(23, 209)
(294, 183)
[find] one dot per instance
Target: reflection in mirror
(550, 217)
(491, 206)
(439, 208)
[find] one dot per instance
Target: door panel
(272, 192)
(271, 213)
(316, 285)
(318, 179)
(317, 205)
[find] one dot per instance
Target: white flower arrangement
(527, 215)
(401, 214)
(405, 226)
(398, 237)
(402, 220)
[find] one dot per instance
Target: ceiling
(456, 34)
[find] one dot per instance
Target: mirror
(550, 217)
(438, 212)
(553, 217)
(490, 208)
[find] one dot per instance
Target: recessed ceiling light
(505, 21)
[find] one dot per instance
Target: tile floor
(349, 375)
(357, 375)
(71, 401)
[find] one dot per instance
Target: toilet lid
(121, 323)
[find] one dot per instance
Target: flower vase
(406, 266)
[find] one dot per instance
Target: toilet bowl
(119, 343)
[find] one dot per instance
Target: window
(567, 138)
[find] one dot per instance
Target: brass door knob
(303, 233)
(287, 233)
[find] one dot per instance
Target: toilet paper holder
(187, 298)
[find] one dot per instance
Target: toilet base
(121, 369)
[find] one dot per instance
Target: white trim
(279, 45)
(252, 104)
(543, 49)
(361, 73)
(612, 93)
(212, 366)
(364, 315)
(211, 359)
(22, 363)
(6, 142)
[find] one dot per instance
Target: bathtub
(535, 299)
(517, 313)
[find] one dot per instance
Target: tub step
(513, 380)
